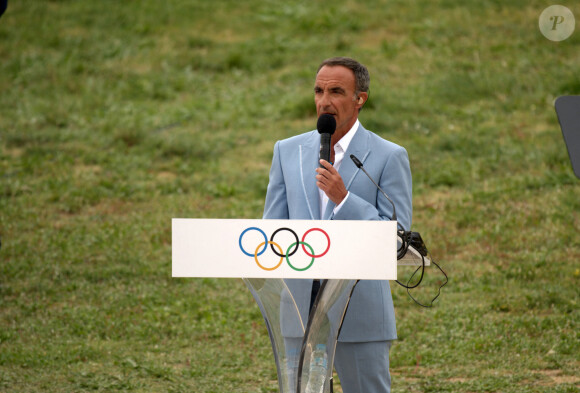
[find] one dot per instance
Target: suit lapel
(359, 146)
(308, 154)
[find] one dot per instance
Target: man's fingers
(327, 171)
(327, 165)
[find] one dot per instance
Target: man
(300, 189)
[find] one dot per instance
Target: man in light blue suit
(303, 187)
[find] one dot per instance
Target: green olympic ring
(288, 259)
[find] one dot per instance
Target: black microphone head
(356, 161)
(326, 124)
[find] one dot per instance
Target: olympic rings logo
(277, 249)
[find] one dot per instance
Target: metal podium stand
(294, 356)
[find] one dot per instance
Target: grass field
(116, 116)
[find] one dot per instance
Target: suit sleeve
(276, 205)
(396, 181)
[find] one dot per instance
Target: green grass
(117, 116)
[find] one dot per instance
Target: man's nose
(324, 100)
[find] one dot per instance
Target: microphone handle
(325, 146)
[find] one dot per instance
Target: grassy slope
(117, 116)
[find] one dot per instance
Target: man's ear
(362, 98)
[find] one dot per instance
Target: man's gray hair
(361, 74)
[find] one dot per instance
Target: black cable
(414, 238)
(438, 291)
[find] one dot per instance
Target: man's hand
(329, 181)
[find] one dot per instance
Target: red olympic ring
(327, 238)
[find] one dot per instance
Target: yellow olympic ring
(268, 268)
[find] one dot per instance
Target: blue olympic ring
(265, 241)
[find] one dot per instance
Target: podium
(268, 253)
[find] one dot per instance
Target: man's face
(334, 94)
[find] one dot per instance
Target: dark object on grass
(568, 111)
(3, 5)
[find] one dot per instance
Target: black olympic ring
(295, 236)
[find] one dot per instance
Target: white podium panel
(328, 249)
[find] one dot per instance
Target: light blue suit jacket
(293, 194)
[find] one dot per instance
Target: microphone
(360, 166)
(407, 239)
(326, 126)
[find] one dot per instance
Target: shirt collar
(344, 142)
